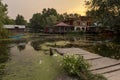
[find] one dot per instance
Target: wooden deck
(110, 68)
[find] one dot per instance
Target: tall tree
(51, 20)
(37, 22)
(105, 11)
(20, 20)
(3, 15)
(40, 20)
(3, 12)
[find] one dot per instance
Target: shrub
(78, 67)
(4, 33)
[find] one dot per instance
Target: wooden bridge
(110, 68)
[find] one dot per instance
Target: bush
(78, 67)
(4, 33)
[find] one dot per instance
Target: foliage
(40, 20)
(8, 21)
(20, 20)
(4, 53)
(78, 67)
(66, 16)
(4, 33)
(49, 17)
(51, 20)
(3, 12)
(36, 22)
(108, 50)
(3, 15)
(105, 11)
(96, 77)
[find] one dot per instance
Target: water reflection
(21, 46)
(108, 50)
(4, 52)
(4, 56)
(36, 45)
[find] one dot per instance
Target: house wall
(82, 24)
(17, 30)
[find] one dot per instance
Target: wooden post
(51, 52)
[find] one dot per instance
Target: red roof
(62, 24)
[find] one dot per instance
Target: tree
(9, 21)
(20, 20)
(105, 11)
(3, 12)
(37, 22)
(40, 20)
(3, 15)
(49, 11)
(51, 20)
(48, 17)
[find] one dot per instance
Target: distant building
(63, 28)
(15, 28)
(60, 27)
(82, 23)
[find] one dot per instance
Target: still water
(29, 59)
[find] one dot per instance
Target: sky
(28, 7)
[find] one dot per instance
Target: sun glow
(79, 9)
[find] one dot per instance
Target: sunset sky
(28, 7)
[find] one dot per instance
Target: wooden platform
(110, 68)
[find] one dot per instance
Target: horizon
(27, 10)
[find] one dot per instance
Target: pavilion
(63, 28)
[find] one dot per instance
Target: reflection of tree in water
(36, 45)
(4, 56)
(21, 47)
(108, 50)
(21, 44)
(116, 40)
(4, 53)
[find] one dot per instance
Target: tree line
(105, 12)
(48, 17)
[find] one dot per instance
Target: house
(63, 28)
(81, 23)
(15, 28)
(60, 27)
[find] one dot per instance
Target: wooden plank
(113, 75)
(91, 57)
(108, 69)
(102, 63)
(69, 51)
